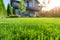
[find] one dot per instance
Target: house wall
(15, 4)
(36, 4)
(26, 13)
(32, 3)
(32, 14)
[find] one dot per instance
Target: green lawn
(30, 29)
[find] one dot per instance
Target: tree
(2, 9)
(9, 10)
(21, 6)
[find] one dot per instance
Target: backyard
(29, 20)
(30, 29)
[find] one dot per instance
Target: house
(32, 7)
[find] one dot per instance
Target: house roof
(35, 0)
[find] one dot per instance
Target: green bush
(13, 16)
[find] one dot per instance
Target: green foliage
(13, 16)
(30, 29)
(9, 10)
(2, 9)
(21, 6)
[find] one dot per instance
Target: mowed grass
(30, 29)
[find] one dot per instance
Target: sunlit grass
(30, 28)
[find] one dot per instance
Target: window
(25, 4)
(31, 3)
(15, 4)
(17, 11)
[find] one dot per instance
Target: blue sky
(8, 1)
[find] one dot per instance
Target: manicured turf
(30, 29)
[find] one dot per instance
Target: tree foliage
(9, 10)
(21, 6)
(2, 9)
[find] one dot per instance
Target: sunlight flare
(51, 5)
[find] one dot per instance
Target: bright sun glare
(51, 5)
